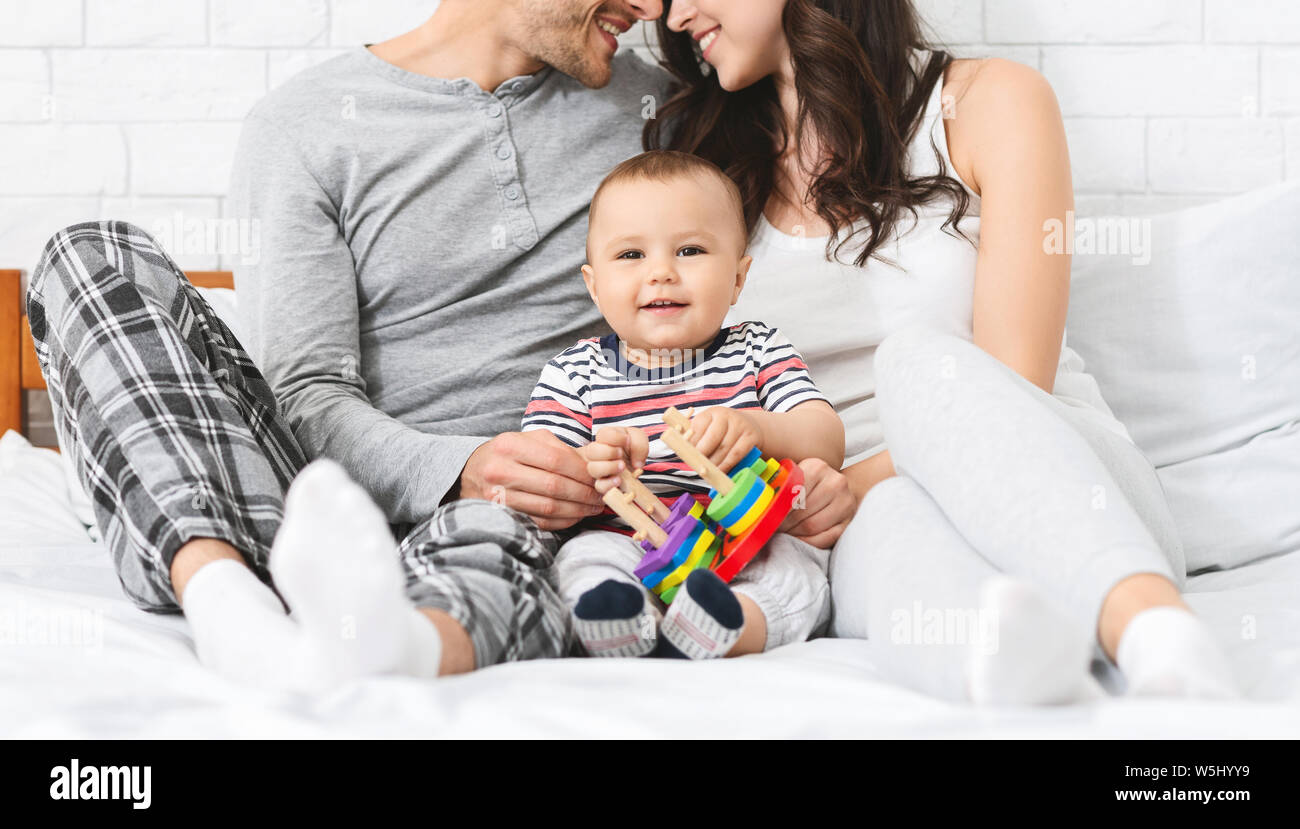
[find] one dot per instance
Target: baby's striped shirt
(590, 385)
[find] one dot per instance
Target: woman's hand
(616, 448)
(725, 435)
(824, 508)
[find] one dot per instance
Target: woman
(897, 200)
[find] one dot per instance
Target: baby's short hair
(666, 165)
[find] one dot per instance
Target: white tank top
(836, 314)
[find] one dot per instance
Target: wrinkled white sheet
(135, 675)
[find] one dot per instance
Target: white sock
(335, 561)
(1168, 652)
(1034, 654)
(240, 628)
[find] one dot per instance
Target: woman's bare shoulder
(983, 99)
(965, 77)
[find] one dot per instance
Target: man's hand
(535, 473)
(725, 435)
(616, 448)
(828, 505)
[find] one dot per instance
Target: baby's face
(665, 261)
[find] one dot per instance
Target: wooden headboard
(19, 369)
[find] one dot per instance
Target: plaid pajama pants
(176, 435)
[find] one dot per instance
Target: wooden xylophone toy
(744, 510)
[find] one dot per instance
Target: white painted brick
(168, 23)
(1252, 21)
(26, 224)
(355, 22)
(1028, 55)
(283, 64)
(952, 21)
(1151, 205)
(278, 23)
(40, 22)
(24, 86)
(181, 159)
(1107, 154)
(1211, 155)
(157, 85)
(1137, 204)
(175, 223)
(62, 159)
(1293, 150)
(1153, 80)
(1281, 81)
(1093, 21)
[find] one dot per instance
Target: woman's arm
(1008, 142)
(863, 475)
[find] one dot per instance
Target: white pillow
(37, 506)
(1237, 506)
(1198, 354)
(1199, 350)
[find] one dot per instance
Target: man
(421, 205)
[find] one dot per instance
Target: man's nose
(646, 9)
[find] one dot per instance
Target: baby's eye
(629, 254)
(690, 250)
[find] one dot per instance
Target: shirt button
(495, 110)
(503, 152)
(512, 192)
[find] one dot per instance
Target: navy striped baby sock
(704, 620)
(616, 619)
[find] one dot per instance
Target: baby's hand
(725, 435)
(616, 448)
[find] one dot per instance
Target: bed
(1211, 392)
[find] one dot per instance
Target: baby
(666, 260)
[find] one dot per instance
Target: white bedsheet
(135, 675)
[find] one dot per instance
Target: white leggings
(995, 475)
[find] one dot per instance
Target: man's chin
(593, 74)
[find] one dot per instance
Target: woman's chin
(732, 81)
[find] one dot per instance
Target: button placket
(505, 172)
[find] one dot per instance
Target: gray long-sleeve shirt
(420, 246)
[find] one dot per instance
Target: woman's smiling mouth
(706, 41)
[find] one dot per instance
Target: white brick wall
(131, 108)
(1167, 103)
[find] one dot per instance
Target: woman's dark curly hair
(858, 89)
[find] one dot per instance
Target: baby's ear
(742, 273)
(589, 279)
